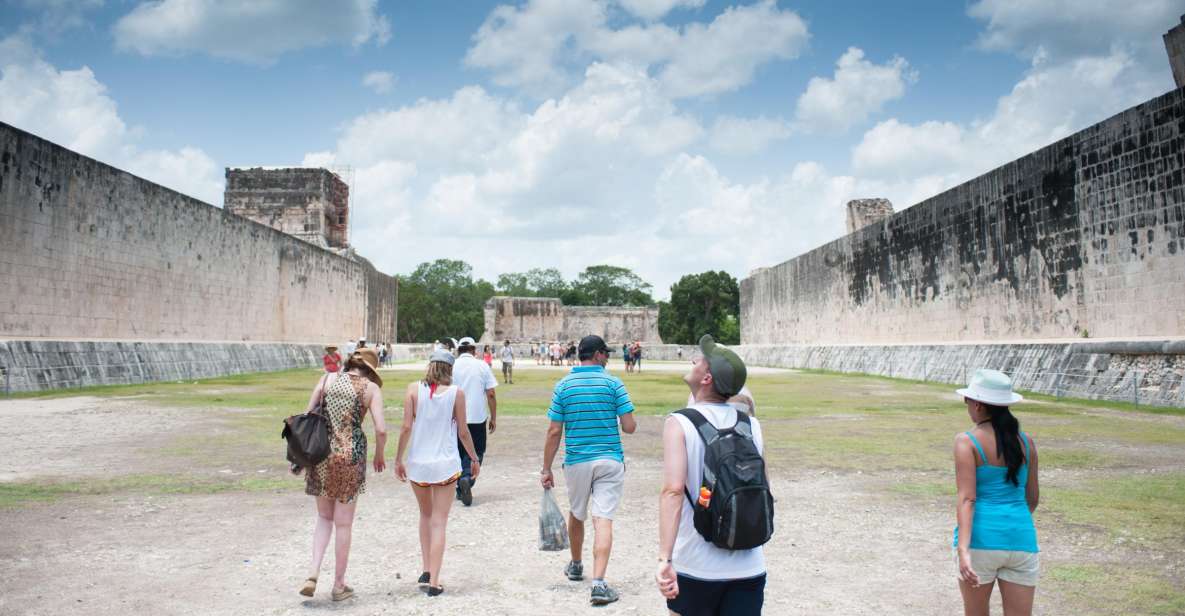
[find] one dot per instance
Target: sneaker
(574, 571)
(602, 595)
(424, 580)
(465, 491)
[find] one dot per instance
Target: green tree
(608, 285)
(441, 299)
(707, 303)
(535, 282)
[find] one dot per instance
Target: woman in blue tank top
(996, 477)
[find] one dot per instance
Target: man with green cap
(695, 575)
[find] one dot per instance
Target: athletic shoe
(465, 491)
(602, 595)
(425, 579)
(574, 571)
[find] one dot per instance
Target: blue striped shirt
(589, 401)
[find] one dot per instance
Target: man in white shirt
(507, 357)
(697, 577)
(474, 377)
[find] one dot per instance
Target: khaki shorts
(595, 486)
(1008, 565)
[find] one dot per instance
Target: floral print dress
(342, 475)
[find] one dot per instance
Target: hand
(966, 573)
(546, 479)
(493, 425)
(474, 467)
(668, 582)
(380, 464)
(401, 471)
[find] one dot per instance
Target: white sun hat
(991, 387)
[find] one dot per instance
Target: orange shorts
(446, 482)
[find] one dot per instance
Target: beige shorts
(1008, 565)
(595, 486)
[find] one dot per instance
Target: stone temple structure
(864, 212)
(1174, 44)
(308, 203)
(527, 319)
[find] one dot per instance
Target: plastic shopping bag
(553, 532)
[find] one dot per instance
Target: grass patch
(20, 494)
(1122, 589)
(1142, 509)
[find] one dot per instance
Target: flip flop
(345, 593)
(310, 587)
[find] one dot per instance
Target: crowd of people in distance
(713, 448)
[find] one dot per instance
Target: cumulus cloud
(537, 46)
(858, 89)
(739, 136)
(651, 10)
(72, 108)
(255, 33)
(381, 82)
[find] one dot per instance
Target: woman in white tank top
(434, 419)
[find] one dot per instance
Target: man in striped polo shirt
(586, 407)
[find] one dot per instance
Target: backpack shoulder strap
(707, 432)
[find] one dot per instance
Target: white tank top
(433, 455)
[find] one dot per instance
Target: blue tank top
(1002, 518)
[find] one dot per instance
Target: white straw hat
(991, 387)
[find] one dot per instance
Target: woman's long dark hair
(1007, 430)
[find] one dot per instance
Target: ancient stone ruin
(530, 319)
(864, 212)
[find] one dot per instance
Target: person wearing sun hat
(336, 481)
(997, 492)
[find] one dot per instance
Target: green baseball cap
(726, 367)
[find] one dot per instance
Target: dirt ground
(841, 546)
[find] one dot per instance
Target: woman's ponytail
(1007, 430)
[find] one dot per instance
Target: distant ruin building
(864, 212)
(531, 319)
(311, 204)
(1174, 44)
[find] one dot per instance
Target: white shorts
(595, 486)
(1008, 565)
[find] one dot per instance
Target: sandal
(345, 593)
(434, 591)
(310, 586)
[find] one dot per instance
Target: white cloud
(1049, 103)
(537, 46)
(1074, 28)
(256, 32)
(858, 89)
(651, 10)
(58, 16)
(382, 82)
(72, 108)
(747, 136)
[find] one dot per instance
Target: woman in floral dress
(338, 479)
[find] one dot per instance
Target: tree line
(442, 298)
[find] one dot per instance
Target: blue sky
(669, 136)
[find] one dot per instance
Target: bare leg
(602, 545)
(575, 537)
(976, 598)
(442, 501)
(321, 533)
(424, 500)
(343, 523)
(1018, 599)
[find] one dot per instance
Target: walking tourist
(382, 353)
(997, 492)
(507, 357)
(541, 358)
(332, 359)
(698, 576)
(587, 406)
(487, 356)
(475, 378)
(627, 358)
(338, 479)
(434, 420)
(637, 355)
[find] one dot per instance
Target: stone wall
(522, 319)
(1083, 237)
(88, 251)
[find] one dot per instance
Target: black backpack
(740, 514)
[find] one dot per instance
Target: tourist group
(715, 507)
